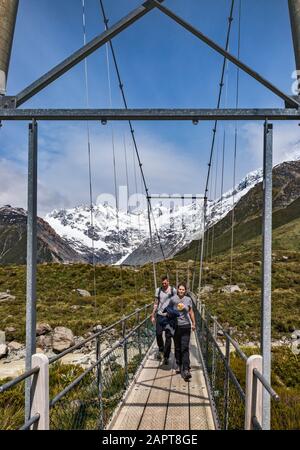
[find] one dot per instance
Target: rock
(296, 335)
(97, 328)
(10, 330)
(5, 296)
(15, 346)
(44, 341)
(39, 350)
(223, 277)
(42, 328)
(285, 258)
(3, 350)
(230, 288)
(74, 307)
(82, 292)
(206, 289)
(62, 339)
(143, 290)
(2, 337)
(220, 333)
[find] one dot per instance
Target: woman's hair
(181, 284)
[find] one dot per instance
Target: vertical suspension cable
(149, 209)
(225, 62)
(235, 144)
(114, 167)
(89, 151)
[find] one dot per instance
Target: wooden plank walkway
(160, 399)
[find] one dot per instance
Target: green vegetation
(285, 414)
(118, 292)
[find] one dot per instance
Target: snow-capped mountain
(123, 237)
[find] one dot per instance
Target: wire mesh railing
(83, 398)
(90, 399)
(226, 374)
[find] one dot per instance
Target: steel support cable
(114, 167)
(121, 86)
(89, 152)
(235, 145)
(215, 195)
(221, 85)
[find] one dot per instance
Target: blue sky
(162, 65)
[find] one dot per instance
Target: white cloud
(286, 141)
(63, 168)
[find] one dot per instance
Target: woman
(185, 322)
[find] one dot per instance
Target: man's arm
(155, 306)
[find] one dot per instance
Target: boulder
(2, 337)
(230, 289)
(62, 339)
(296, 335)
(3, 350)
(15, 346)
(82, 292)
(206, 289)
(10, 330)
(42, 328)
(74, 307)
(5, 296)
(44, 341)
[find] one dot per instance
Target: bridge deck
(160, 399)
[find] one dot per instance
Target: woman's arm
(192, 316)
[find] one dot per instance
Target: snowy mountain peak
(114, 235)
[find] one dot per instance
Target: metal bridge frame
(9, 111)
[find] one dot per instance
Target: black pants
(164, 347)
(182, 347)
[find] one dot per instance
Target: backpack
(169, 295)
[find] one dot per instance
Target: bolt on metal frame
(9, 111)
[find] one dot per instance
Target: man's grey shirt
(164, 298)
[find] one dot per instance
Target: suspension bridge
(125, 387)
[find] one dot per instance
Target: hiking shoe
(177, 368)
(186, 375)
(159, 356)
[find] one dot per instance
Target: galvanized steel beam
(8, 14)
(31, 260)
(193, 115)
(267, 272)
(294, 6)
(84, 51)
(289, 100)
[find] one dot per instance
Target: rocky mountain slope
(13, 234)
(248, 212)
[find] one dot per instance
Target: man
(162, 300)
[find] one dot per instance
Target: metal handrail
(256, 373)
(97, 334)
(30, 422)
(77, 380)
(17, 380)
(266, 385)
